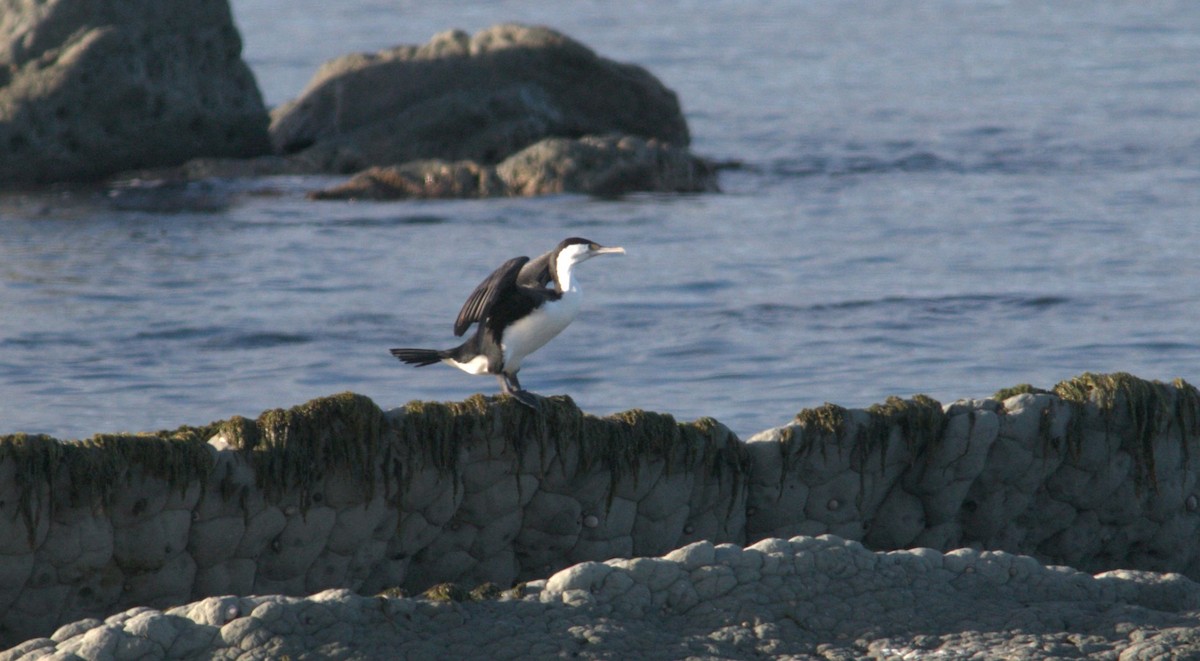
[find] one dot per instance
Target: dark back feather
(480, 302)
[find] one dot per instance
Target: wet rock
(591, 165)
(418, 179)
(89, 89)
(479, 98)
(605, 165)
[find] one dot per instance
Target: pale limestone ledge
(336, 494)
(804, 598)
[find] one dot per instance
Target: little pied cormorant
(519, 308)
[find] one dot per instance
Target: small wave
(178, 333)
(1146, 346)
(980, 150)
(1043, 301)
(948, 302)
(43, 339)
(257, 340)
(158, 196)
(833, 166)
(363, 319)
(931, 305)
(704, 286)
(394, 221)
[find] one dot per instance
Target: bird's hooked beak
(608, 250)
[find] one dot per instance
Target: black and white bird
(518, 308)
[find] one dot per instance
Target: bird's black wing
(537, 272)
(485, 295)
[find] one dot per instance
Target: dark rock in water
(512, 111)
(88, 89)
(478, 98)
(592, 165)
(418, 179)
(605, 165)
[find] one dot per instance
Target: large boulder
(591, 165)
(89, 88)
(479, 98)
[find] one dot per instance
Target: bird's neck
(563, 280)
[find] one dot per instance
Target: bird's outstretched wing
(485, 295)
(536, 273)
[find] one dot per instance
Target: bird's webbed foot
(528, 399)
(511, 386)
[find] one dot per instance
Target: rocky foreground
(450, 499)
(819, 598)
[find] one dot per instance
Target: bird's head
(574, 250)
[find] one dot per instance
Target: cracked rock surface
(819, 598)
(339, 495)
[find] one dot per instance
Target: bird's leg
(511, 386)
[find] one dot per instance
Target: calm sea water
(939, 197)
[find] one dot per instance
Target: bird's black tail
(419, 357)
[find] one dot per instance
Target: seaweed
(920, 421)
(36, 458)
(446, 592)
(296, 448)
(817, 426)
(485, 592)
(435, 433)
(1151, 407)
(623, 440)
(1019, 389)
(93, 468)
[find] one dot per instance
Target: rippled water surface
(936, 197)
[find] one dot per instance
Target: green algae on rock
(438, 431)
(920, 421)
(296, 448)
(1151, 408)
(95, 468)
(1019, 389)
(447, 592)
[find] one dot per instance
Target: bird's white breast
(531, 332)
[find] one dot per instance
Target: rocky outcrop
(1097, 474)
(433, 179)
(88, 89)
(337, 494)
(805, 598)
(158, 91)
(592, 165)
(463, 98)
